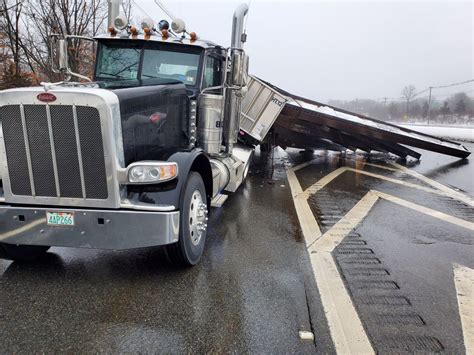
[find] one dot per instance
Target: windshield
(117, 62)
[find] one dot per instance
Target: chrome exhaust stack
(236, 79)
(113, 11)
(238, 25)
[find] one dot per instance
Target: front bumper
(101, 229)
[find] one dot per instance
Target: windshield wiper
(110, 74)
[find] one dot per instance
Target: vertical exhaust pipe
(113, 11)
(233, 100)
(238, 25)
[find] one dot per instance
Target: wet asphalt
(247, 295)
(254, 288)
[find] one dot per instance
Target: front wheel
(22, 252)
(193, 224)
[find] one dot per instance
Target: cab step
(218, 200)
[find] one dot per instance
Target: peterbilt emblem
(46, 97)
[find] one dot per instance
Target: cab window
(164, 64)
(212, 73)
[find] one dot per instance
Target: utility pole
(429, 106)
(385, 101)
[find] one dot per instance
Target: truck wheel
(193, 224)
(22, 252)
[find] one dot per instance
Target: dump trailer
(166, 128)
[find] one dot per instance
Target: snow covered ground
(464, 133)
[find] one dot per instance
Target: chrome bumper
(100, 229)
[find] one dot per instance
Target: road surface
(373, 257)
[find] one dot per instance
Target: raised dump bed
(307, 124)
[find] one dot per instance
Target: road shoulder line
(464, 283)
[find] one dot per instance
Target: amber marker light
(164, 34)
(147, 32)
(112, 31)
(193, 36)
(134, 31)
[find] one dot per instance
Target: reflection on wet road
(397, 238)
(247, 295)
(255, 288)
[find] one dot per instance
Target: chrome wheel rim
(197, 217)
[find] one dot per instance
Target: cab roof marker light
(133, 31)
(147, 23)
(120, 22)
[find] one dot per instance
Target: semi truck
(137, 155)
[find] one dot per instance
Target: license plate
(60, 218)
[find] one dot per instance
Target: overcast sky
(343, 49)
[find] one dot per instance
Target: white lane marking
(451, 192)
(334, 236)
(464, 282)
(395, 181)
(428, 211)
(308, 223)
(346, 329)
(323, 182)
(334, 174)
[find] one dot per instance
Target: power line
(450, 85)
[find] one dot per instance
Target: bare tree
(10, 31)
(25, 27)
(408, 94)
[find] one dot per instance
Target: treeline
(25, 30)
(458, 109)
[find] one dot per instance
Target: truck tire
(193, 224)
(22, 252)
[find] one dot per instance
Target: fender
(169, 193)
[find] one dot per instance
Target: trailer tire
(193, 224)
(22, 252)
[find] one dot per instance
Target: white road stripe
(323, 182)
(346, 329)
(433, 213)
(451, 192)
(334, 236)
(308, 223)
(464, 282)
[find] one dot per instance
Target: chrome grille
(54, 151)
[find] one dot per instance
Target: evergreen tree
(445, 110)
(460, 107)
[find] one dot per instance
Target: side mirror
(240, 67)
(62, 55)
(59, 55)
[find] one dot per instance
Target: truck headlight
(148, 173)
